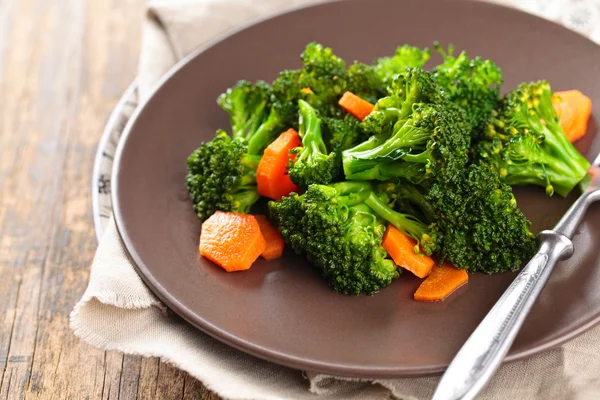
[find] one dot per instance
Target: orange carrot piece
(574, 109)
(441, 282)
(306, 90)
(271, 176)
(356, 106)
(231, 240)
(402, 250)
(275, 243)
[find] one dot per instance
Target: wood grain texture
(63, 66)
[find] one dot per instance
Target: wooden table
(63, 66)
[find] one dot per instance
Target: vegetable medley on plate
(374, 169)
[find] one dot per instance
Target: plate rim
(280, 358)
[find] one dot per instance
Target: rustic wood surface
(63, 66)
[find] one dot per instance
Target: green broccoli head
(257, 116)
(526, 144)
(432, 143)
(222, 176)
(325, 74)
(312, 163)
(246, 105)
(472, 83)
(339, 235)
(405, 57)
(414, 86)
(363, 81)
(478, 224)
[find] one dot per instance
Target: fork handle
(570, 221)
(483, 352)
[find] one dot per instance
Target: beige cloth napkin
(118, 312)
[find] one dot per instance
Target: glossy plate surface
(282, 310)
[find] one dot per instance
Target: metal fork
(481, 355)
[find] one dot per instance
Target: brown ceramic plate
(282, 310)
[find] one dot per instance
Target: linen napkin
(118, 312)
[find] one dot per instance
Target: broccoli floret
(222, 176)
(474, 221)
(404, 91)
(478, 224)
(432, 141)
(257, 117)
(285, 93)
(246, 105)
(364, 82)
(312, 163)
(405, 57)
(472, 83)
(325, 75)
(339, 234)
(527, 145)
(222, 172)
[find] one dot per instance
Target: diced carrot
(275, 243)
(402, 250)
(356, 106)
(574, 109)
(306, 90)
(231, 240)
(441, 282)
(271, 176)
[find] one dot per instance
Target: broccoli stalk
(312, 163)
(406, 223)
(527, 145)
(433, 140)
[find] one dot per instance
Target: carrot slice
(441, 282)
(574, 109)
(231, 240)
(355, 105)
(402, 250)
(275, 243)
(271, 176)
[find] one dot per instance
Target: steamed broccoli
(472, 83)
(341, 134)
(312, 163)
(222, 173)
(405, 57)
(412, 87)
(323, 79)
(363, 81)
(475, 222)
(255, 118)
(222, 176)
(432, 140)
(339, 234)
(527, 145)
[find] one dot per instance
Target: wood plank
(170, 382)
(130, 376)
(30, 187)
(148, 382)
(63, 66)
